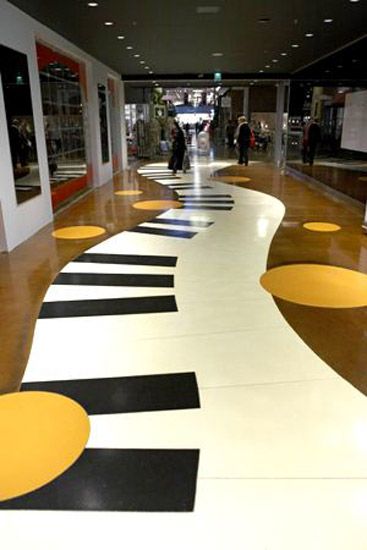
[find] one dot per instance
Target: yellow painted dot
(322, 227)
(128, 192)
(232, 179)
(157, 205)
(317, 285)
(78, 232)
(42, 435)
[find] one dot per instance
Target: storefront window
(64, 110)
(19, 113)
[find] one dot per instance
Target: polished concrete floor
(220, 417)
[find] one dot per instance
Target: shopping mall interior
(183, 275)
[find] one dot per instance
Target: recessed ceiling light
(261, 71)
(151, 72)
(353, 1)
(92, 4)
(264, 20)
(267, 66)
(109, 23)
(328, 20)
(136, 54)
(129, 48)
(217, 54)
(207, 10)
(274, 60)
(147, 68)
(283, 54)
(309, 34)
(120, 37)
(295, 45)
(142, 62)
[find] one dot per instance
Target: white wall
(354, 134)
(19, 32)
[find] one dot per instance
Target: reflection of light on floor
(262, 227)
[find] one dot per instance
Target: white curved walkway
(282, 438)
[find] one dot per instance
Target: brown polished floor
(337, 336)
(350, 182)
(27, 272)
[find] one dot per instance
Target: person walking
(230, 131)
(178, 149)
(243, 137)
(313, 139)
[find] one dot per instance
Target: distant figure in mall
(243, 137)
(312, 138)
(230, 132)
(178, 149)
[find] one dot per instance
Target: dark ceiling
(174, 39)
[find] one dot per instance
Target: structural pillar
(279, 146)
(246, 101)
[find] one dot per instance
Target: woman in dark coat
(178, 149)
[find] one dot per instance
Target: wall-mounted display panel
(20, 124)
(103, 123)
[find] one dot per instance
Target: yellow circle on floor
(128, 192)
(78, 232)
(323, 227)
(317, 285)
(157, 205)
(232, 179)
(42, 435)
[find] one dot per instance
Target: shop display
(65, 119)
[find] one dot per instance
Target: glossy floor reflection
(262, 444)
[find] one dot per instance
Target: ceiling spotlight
(136, 55)
(261, 71)
(217, 54)
(147, 68)
(267, 66)
(142, 62)
(274, 60)
(328, 20)
(151, 72)
(284, 54)
(92, 4)
(109, 23)
(309, 34)
(120, 37)
(295, 45)
(129, 48)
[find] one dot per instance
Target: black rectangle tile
(120, 480)
(127, 394)
(172, 221)
(164, 232)
(203, 196)
(115, 279)
(205, 207)
(128, 259)
(120, 306)
(183, 187)
(205, 201)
